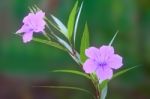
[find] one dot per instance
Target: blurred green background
(25, 65)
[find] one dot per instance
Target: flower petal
(104, 73)
(106, 50)
(89, 66)
(23, 29)
(40, 25)
(115, 61)
(28, 18)
(92, 52)
(27, 37)
(40, 14)
(38, 21)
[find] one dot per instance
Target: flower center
(102, 64)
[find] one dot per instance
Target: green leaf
(61, 41)
(76, 59)
(123, 71)
(104, 92)
(113, 38)
(31, 10)
(71, 20)
(76, 23)
(49, 22)
(51, 43)
(67, 87)
(103, 84)
(61, 26)
(36, 7)
(64, 43)
(84, 43)
(73, 72)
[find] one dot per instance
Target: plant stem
(97, 94)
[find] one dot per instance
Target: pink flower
(102, 61)
(33, 22)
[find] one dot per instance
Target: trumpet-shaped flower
(102, 61)
(33, 22)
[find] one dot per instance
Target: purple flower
(102, 61)
(33, 22)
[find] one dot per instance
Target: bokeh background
(23, 66)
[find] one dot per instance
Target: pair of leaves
(73, 21)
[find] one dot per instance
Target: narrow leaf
(77, 21)
(31, 10)
(123, 71)
(67, 87)
(51, 43)
(73, 72)
(71, 20)
(52, 24)
(64, 43)
(84, 43)
(61, 26)
(76, 59)
(113, 38)
(36, 7)
(61, 41)
(103, 84)
(104, 92)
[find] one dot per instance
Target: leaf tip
(113, 38)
